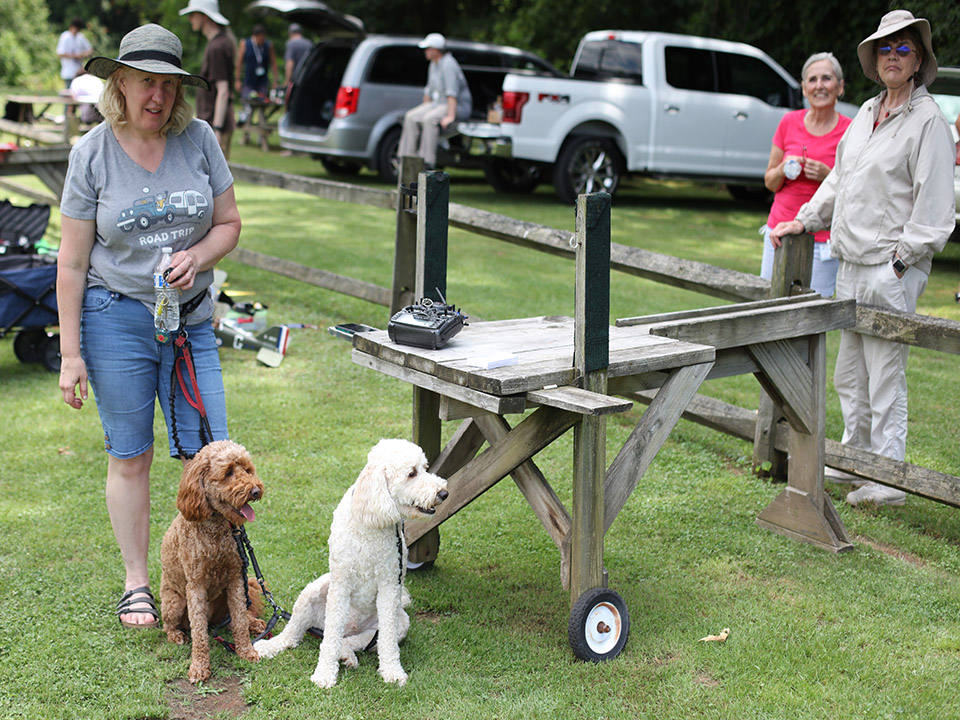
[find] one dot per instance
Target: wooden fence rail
(919, 330)
(923, 331)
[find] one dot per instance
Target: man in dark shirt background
(216, 104)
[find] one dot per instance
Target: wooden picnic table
(48, 163)
(260, 121)
(30, 111)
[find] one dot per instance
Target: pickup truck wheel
(388, 165)
(586, 165)
(337, 166)
(512, 176)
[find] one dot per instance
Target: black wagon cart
(28, 280)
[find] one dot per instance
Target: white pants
(421, 128)
(823, 276)
(870, 375)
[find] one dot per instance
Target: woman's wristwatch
(899, 265)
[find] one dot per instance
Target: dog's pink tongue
(248, 513)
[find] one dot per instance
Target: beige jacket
(891, 190)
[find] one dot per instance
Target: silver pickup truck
(660, 104)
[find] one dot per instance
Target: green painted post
(591, 358)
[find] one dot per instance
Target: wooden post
(405, 248)
(803, 511)
(591, 359)
(792, 270)
(430, 280)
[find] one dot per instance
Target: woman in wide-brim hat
(889, 204)
(149, 177)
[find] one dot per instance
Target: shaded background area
(787, 31)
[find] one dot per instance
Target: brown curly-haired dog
(201, 570)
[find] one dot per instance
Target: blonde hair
(113, 106)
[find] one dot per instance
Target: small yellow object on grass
(722, 637)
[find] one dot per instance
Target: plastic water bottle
(166, 313)
(792, 168)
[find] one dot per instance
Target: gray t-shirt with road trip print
(138, 212)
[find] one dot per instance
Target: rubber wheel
(338, 166)
(599, 625)
(419, 566)
(512, 176)
(28, 343)
(388, 166)
(587, 164)
(50, 352)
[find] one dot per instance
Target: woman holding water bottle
(121, 205)
(803, 152)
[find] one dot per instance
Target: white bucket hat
(433, 40)
(150, 49)
(891, 23)
(210, 8)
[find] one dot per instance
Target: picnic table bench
(572, 373)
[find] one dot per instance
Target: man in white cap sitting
(446, 99)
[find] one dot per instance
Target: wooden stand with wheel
(573, 372)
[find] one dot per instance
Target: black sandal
(145, 597)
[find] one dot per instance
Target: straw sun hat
(893, 22)
(150, 49)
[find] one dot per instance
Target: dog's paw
(257, 626)
(249, 654)
(198, 672)
(177, 637)
(268, 648)
(324, 677)
(349, 658)
(394, 675)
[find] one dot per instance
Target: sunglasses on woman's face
(902, 50)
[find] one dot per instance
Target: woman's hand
(183, 270)
(73, 372)
(815, 170)
(790, 227)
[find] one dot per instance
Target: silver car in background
(349, 94)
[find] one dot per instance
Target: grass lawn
(873, 633)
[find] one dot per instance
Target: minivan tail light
(512, 104)
(346, 101)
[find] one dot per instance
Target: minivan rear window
(399, 65)
(478, 58)
(315, 92)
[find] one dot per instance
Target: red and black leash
(183, 371)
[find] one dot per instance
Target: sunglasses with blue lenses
(903, 50)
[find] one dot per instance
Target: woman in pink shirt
(803, 153)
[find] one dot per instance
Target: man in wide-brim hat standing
(216, 104)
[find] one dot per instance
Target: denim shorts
(129, 370)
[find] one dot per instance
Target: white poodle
(363, 593)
